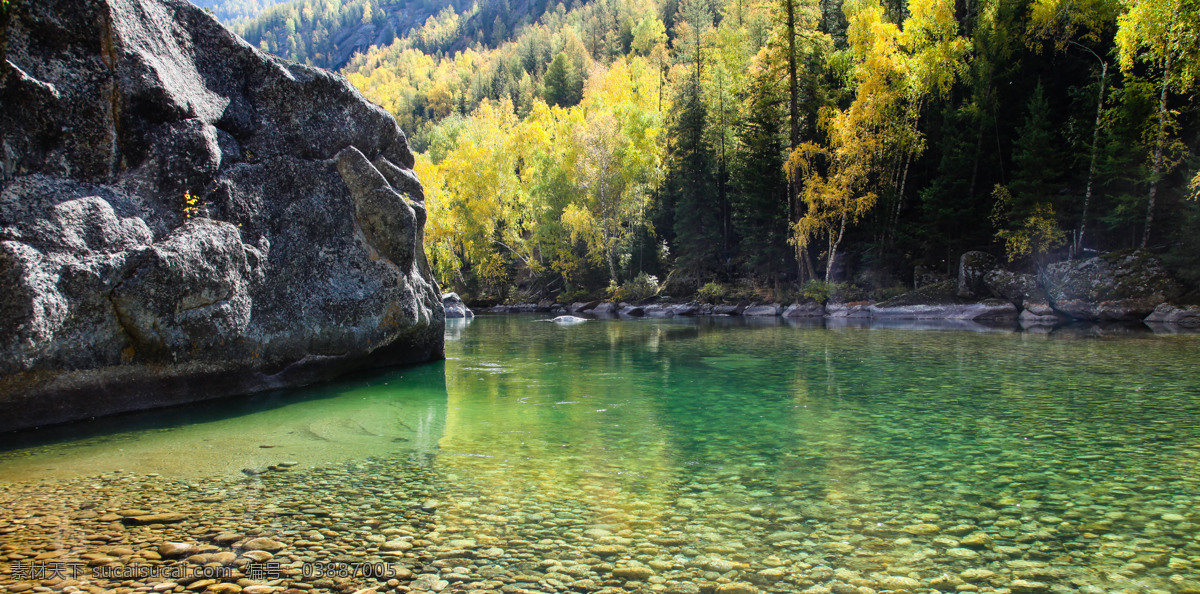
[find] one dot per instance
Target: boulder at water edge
(1119, 286)
(455, 308)
(183, 217)
(1183, 315)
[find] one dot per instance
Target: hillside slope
(328, 33)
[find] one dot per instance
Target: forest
(784, 147)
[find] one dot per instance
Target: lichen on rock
(1126, 285)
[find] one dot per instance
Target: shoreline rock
(1166, 313)
(183, 217)
(1117, 286)
(455, 308)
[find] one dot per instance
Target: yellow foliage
(1165, 33)
(893, 69)
(191, 205)
(1034, 235)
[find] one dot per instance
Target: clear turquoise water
(790, 458)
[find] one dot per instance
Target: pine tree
(690, 185)
(759, 198)
(563, 85)
(1037, 156)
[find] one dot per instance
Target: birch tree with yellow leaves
(870, 144)
(1165, 36)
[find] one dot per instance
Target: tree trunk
(833, 247)
(793, 83)
(1087, 195)
(899, 198)
(1159, 149)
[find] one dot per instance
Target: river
(678, 455)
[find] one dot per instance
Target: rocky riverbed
(712, 533)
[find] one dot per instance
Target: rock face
(1118, 286)
(183, 217)
(972, 270)
(988, 309)
(770, 310)
(455, 308)
(1183, 315)
(1013, 286)
(808, 309)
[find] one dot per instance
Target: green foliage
(817, 290)
(563, 85)
(690, 187)
(825, 292)
(639, 288)
(759, 190)
(1037, 153)
(712, 293)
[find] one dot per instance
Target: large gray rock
(455, 308)
(660, 310)
(1183, 315)
(769, 310)
(1037, 311)
(728, 310)
(1013, 286)
(1118, 286)
(988, 309)
(941, 301)
(808, 309)
(300, 258)
(603, 308)
(973, 268)
(847, 310)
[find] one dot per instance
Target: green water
(709, 454)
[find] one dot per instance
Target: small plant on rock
(191, 205)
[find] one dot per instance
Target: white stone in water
(1173, 517)
(922, 529)
(718, 565)
(259, 556)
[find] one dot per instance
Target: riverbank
(1130, 288)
